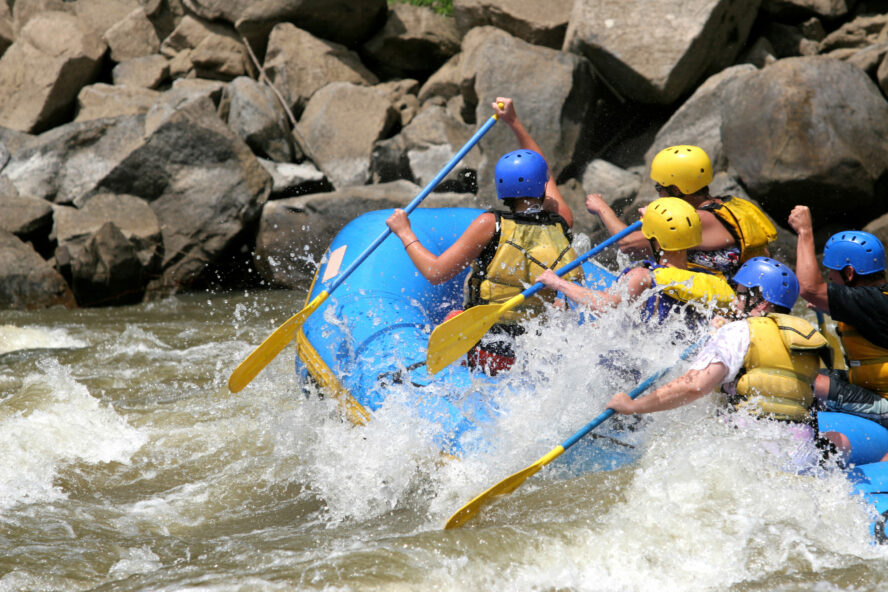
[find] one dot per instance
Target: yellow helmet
(673, 222)
(686, 167)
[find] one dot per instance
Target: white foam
(50, 422)
(13, 338)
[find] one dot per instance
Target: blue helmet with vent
(777, 282)
(521, 173)
(861, 250)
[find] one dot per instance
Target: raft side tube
(869, 440)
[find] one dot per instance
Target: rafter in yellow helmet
(673, 222)
(686, 167)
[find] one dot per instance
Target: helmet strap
(753, 299)
(656, 250)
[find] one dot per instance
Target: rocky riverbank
(154, 146)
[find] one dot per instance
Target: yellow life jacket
(527, 245)
(867, 362)
(694, 287)
(749, 226)
(780, 367)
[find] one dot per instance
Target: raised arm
(437, 269)
(634, 245)
(811, 285)
(554, 200)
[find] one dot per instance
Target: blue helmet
(777, 282)
(861, 250)
(521, 173)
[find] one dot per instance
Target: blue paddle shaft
(633, 394)
(582, 258)
(335, 282)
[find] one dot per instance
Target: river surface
(126, 464)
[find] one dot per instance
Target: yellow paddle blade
(504, 487)
(452, 338)
(271, 347)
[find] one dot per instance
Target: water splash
(50, 422)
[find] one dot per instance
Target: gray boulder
(133, 37)
(145, 72)
(791, 139)
(413, 43)
(26, 217)
(554, 95)
(106, 100)
(616, 185)
(53, 56)
(28, 282)
(348, 22)
(655, 52)
(295, 232)
(340, 125)
(109, 249)
(289, 179)
(254, 114)
(202, 181)
(298, 64)
(698, 121)
(67, 162)
(540, 23)
(424, 147)
(209, 49)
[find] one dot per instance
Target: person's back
(766, 362)
(733, 230)
(672, 227)
(859, 304)
(785, 352)
(856, 296)
(526, 242)
(504, 249)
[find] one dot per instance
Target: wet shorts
(845, 397)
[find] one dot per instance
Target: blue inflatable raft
(372, 333)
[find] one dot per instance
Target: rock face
(109, 249)
(299, 64)
(340, 124)
(655, 52)
(147, 144)
(42, 72)
(796, 144)
(287, 256)
(26, 280)
(539, 23)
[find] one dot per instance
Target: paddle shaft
(274, 343)
(512, 482)
(585, 256)
(454, 337)
(335, 282)
(518, 299)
